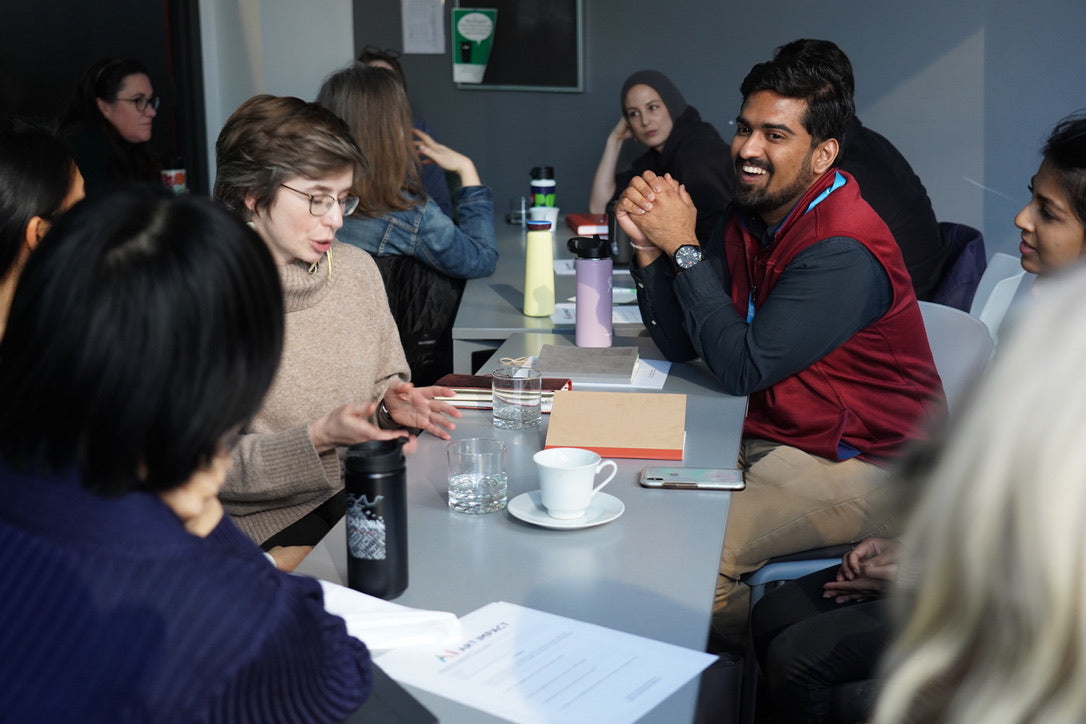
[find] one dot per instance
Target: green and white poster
(473, 36)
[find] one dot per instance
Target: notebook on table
(619, 424)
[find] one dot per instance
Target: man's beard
(760, 199)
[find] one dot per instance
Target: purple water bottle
(593, 290)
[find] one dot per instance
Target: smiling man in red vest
(801, 300)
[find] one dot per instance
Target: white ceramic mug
(566, 479)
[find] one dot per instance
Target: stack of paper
(525, 665)
(385, 625)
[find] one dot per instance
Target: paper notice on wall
(473, 37)
(423, 26)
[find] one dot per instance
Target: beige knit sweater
(341, 345)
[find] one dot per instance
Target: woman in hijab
(655, 114)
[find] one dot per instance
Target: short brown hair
(270, 139)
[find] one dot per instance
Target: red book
(587, 224)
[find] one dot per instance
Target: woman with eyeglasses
(108, 124)
(39, 181)
(288, 168)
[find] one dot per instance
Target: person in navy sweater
(144, 331)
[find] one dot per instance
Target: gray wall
(967, 91)
(250, 47)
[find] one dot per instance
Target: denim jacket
(425, 232)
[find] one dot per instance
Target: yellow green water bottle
(539, 269)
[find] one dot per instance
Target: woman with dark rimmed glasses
(109, 124)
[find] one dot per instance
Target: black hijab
(660, 83)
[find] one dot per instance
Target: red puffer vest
(878, 389)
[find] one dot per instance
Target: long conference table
(651, 572)
(491, 308)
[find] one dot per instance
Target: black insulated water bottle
(377, 518)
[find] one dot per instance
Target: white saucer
(529, 508)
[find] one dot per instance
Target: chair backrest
(960, 344)
(988, 307)
(1000, 266)
(424, 302)
(965, 249)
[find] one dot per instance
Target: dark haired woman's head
(114, 101)
(1066, 151)
(383, 58)
(270, 139)
(1053, 223)
(668, 91)
(116, 94)
(145, 329)
(374, 105)
(38, 181)
(829, 105)
(651, 104)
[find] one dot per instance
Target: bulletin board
(538, 46)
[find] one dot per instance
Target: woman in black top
(108, 124)
(655, 114)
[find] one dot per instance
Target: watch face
(687, 256)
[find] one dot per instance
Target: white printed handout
(566, 313)
(529, 666)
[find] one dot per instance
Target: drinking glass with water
(478, 482)
(517, 392)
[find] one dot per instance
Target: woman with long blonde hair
(994, 619)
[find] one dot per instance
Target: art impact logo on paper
(447, 654)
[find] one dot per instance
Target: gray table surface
(651, 572)
(491, 308)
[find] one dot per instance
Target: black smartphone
(693, 478)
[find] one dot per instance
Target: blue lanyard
(838, 182)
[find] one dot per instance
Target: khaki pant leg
(793, 501)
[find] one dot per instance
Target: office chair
(997, 290)
(965, 250)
